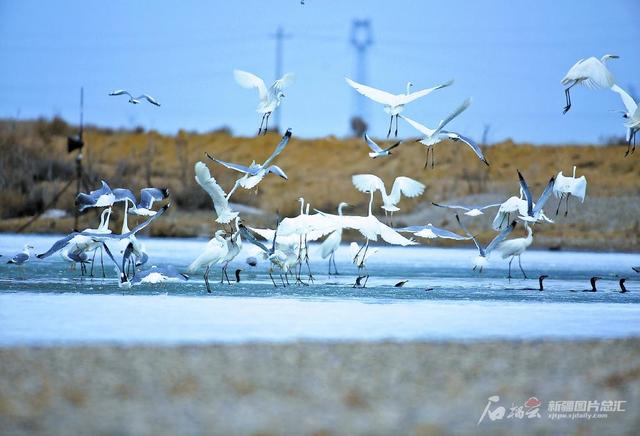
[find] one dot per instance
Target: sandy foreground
(316, 388)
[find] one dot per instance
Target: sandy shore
(314, 388)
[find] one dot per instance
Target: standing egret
(632, 115)
(332, 242)
(214, 252)
(254, 173)
(434, 136)
(393, 104)
(515, 247)
(565, 187)
(590, 72)
(483, 252)
(270, 98)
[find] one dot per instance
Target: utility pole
(361, 39)
(77, 143)
(279, 36)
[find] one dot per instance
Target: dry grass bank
(35, 166)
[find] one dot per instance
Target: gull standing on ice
(393, 104)
(23, 257)
(434, 136)
(270, 98)
(590, 72)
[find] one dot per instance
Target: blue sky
(508, 55)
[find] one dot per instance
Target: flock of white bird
(286, 247)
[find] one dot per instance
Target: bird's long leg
(396, 133)
(226, 274)
(567, 96)
(634, 141)
(426, 162)
(366, 279)
(102, 263)
(330, 264)
(335, 268)
(273, 281)
(266, 124)
(282, 280)
(566, 211)
(509, 276)
(559, 203)
(92, 262)
(433, 156)
(390, 124)
(306, 258)
(222, 275)
(261, 123)
(206, 278)
(520, 264)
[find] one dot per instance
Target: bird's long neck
(340, 209)
(574, 171)
(125, 225)
(622, 287)
(529, 237)
(593, 283)
(301, 200)
(540, 279)
(409, 85)
(307, 210)
(237, 276)
(371, 203)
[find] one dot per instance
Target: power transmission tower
(279, 36)
(361, 39)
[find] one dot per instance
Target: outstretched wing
(283, 82)
(452, 206)
(527, 193)
(57, 246)
(247, 235)
(120, 92)
(372, 145)
(149, 195)
(490, 206)
(123, 194)
(209, 184)
(475, 241)
(149, 99)
(248, 80)
(231, 166)
(390, 236)
(501, 237)
(374, 94)
(431, 231)
(275, 169)
(367, 183)
(136, 229)
(283, 143)
(407, 187)
(471, 143)
(465, 104)
(544, 197)
(419, 127)
(628, 102)
(408, 98)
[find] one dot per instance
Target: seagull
(565, 187)
(431, 232)
(99, 198)
(147, 197)
(393, 104)
(156, 275)
(434, 136)
(590, 72)
(254, 173)
(220, 204)
(136, 100)
(401, 186)
(270, 98)
(469, 210)
(632, 115)
(23, 257)
(214, 252)
(534, 210)
(376, 150)
(99, 237)
(481, 260)
(332, 242)
(276, 256)
(515, 247)
(139, 254)
(124, 280)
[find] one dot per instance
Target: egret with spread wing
(632, 115)
(565, 187)
(211, 187)
(401, 186)
(590, 72)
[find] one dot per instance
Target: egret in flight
(590, 72)
(393, 104)
(632, 115)
(565, 187)
(401, 186)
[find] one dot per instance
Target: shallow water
(45, 302)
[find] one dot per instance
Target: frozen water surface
(46, 303)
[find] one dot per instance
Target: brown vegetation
(34, 166)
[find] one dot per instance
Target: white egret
(135, 100)
(434, 136)
(234, 245)
(214, 252)
(565, 187)
(270, 98)
(254, 173)
(376, 150)
(401, 186)
(632, 115)
(332, 242)
(590, 72)
(393, 104)
(220, 203)
(515, 247)
(468, 210)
